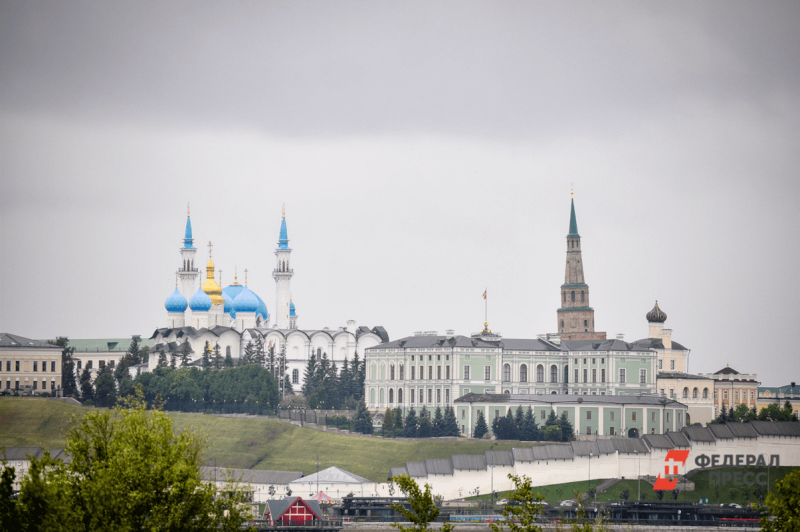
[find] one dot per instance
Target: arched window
(553, 373)
(686, 393)
(705, 393)
(539, 373)
(228, 351)
(582, 296)
(506, 372)
(523, 373)
(372, 372)
(382, 395)
(573, 296)
(507, 392)
(564, 296)
(400, 395)
(566, 374)
(562, 325)
(694, 393)
(391, 395)
(401, 378)
(391, 377)
(319, 353)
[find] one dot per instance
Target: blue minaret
(188, 275)
(283, 275)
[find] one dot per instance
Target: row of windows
(594, 360)
(414, 396)
(736, 395)
(661, 364)
(35, 384)
(572, 296)
(35, 365)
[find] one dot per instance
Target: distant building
(96, 353)
(435, 370)
(28, 366)
(590, 415)
(235, 316)
(672, 379)
(732, 388)
(779, 395)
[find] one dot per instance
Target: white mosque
(235, 316)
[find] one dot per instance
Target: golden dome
(211, 287)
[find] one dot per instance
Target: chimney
(666, 338)
(556, 339)
(621, 337)
(351, 326)
(449, 333)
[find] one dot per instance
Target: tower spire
(575, 317)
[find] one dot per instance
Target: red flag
(484, 294)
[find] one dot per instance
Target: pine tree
(438, 423)
(270, 360)
(551, 419)
(105, 388)
(87, 392)
(480, 426)
(529, 430)
(450, 423)
(359, 371)
(173, 359)
(162, 358)
(363, 421)
(288, 389)
(259, 357)
(217, 357)
(388, 423)
(567, 432)
(344, 381)
(425, 429)
(186, 354)
(519, 417)
(228, 359)
(410, 425)
(309, 376)
(249, 353)
(332, 387)
(398, 420)
(68, 385)
(206, 356)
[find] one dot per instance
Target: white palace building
(234, 316)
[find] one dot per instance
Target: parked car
(567, 503)
(502, 502)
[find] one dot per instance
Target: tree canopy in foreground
(129, 470)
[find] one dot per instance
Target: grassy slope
(245, 443)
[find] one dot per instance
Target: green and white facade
(609, 415)
(435, 370)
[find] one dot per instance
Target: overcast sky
(424, 151)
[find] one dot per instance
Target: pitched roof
(333, 475)
(698, 433)
(253, 476)
(720, 431)
(13, 340)
(499, 458)
(658, 441)
(776, 428)
(105, 345)
(278, 507)
(629, 445)
(439, 466)
(678, 439)
(742, 430)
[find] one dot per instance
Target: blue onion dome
(292, 312)
(228, 302)
(233, 290)
(200, 301)
(176, 302)
(246, 301)
(656, 315)
(262, 308)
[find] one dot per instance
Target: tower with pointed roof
(188, 274)
(283, 275)
(575, 317)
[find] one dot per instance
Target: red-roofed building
(292, 511)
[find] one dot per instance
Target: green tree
(162, 358)
(87, 391)
(422, 511)
(69, 386)
(388, 423)
(438, 423)
(228, 359)
(625, 494)
(217, 357)
(129, 471)
(249, 351)
(410, 425)
(425, 428)
(552, 433)
(363, 421)
(450, 423)
(529, 431)
(105, 389)
(567, 432)
(398, 421)
(783, 505)
(519, 417)
(524, 513)
(309, 376)
(186, 351)
(480, 426)
(207, 356)
(742, 413)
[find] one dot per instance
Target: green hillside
(246, 443)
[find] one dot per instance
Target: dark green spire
(573, 223)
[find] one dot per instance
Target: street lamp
(768, 464)
(638, 478)
(317, 474)
(589, 482)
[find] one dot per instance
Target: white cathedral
(234, 316)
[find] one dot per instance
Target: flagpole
(486, 305)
